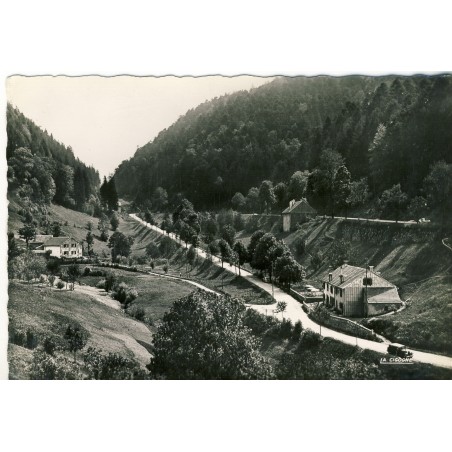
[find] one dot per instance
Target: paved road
(294, 312)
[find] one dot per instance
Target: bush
(101, 284)
(124, 294)
(110, 281)
(49, 345)
(110, 367)
(309, 339)
(60, 284)
(136, 312)
(252, 224)
(297, 330)
(47, 367)
(86, 271)
(51, 280)
(258, 323)
(31, 340)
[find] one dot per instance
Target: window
(367, 281)
(65, 245)
(73, 245)
(66, 253)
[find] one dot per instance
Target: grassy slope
(203, 272)
(45, 310)
(426, 322)
(155, 295)
(76, 227)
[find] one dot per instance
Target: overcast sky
(105, 119)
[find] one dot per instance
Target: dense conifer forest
(42, 170)
(391, 135)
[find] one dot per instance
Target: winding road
(294, 312)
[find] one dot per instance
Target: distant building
(66, 247)
(297, 212)
(359, 292)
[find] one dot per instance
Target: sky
(105, 119)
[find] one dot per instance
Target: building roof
(301, 206)
(350, 273)
(41, 238)
(57, 241)
(387, 296)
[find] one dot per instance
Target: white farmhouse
(66, 247)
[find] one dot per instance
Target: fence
(337, 323)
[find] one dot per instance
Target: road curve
(294, 311)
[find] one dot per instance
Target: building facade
(297, 212)
(359, 292)
(65, 247)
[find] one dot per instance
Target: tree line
(43, 170)
(385, 130)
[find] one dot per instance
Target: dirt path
(99, 295)
(294, 311)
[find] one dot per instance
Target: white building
(66, 247)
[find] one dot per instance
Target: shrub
(101, 284)
(297, 330)
(285, 329)
(49, 345)
(300, 246)
(124, 294)
(51, 280)
(252, 224)
(110, 367)
(60, 284)
(309, 339)
(136, 312)
(110, 281)
(258, 323)
(47, 367)
(165, 268)
(32, 340)
(86, 271)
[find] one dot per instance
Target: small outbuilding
(297, 212)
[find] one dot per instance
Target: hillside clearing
(45, 310)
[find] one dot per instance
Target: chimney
(341, 276)
(371, 268)
(330, 277)
(291, 203)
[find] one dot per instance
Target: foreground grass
(48, 311)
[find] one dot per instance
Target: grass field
(155, 295)
(426, 322)
(45, 310)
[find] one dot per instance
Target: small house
(359, 292)
(297, 212)
(66, 247)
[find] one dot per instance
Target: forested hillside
(385, 133)
(42, 170)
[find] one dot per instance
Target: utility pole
(271, 277)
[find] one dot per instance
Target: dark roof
(42, 238)
(301, 206)
(351, 273)
(57, 241)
